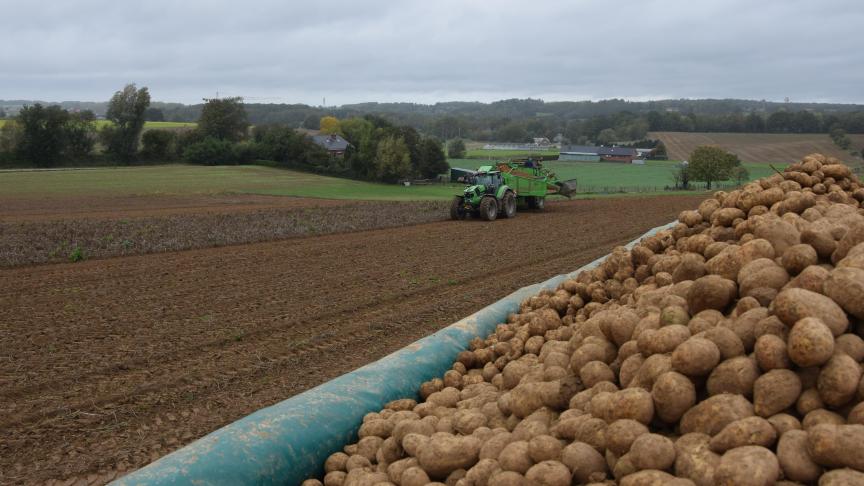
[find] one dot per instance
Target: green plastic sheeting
(288, 442)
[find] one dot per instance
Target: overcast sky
(434, 50)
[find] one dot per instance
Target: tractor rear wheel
(489, 208)
(456, 210)
(509, 203)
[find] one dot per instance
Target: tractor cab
(485, 181)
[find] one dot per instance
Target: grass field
(758, 147)
(187, 179)
(612, 177)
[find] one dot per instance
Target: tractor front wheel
(509, 203)
(489, 208)
(456, 209)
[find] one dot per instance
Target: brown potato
(838, 380)
(673, 394)
(810, 343)
(621, 433)
(712, 414)
(783, 422)
(652, 451)
(584, 462)
(792, 305)
(736, 375)
(746, 431)
(747, 466)
(794, 459)
(695, 460)
(845, 286)
(695, 357)
(711, 292)
(775, 391)
(770, 352)
(837, 445)
(549, 473)
(842, 477)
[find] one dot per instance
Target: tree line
(47, 136)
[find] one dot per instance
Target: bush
(158, 144)
(456, 149)
(246, 152)
(210, 151)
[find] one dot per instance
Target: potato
(747, 466)
(414, 476)
(711, 292)
(746, 431)
(311, 482)
(695, 357)
(632, 403)
(792, 305)
(544, 448)
(336, 462)
(396, 469)
(770, 352)
(334, 478)
(762, 272)
(775, 391)
(652, 451)
(838, 380)
(673, 394)
(811, 278)
(736, 375)
(729, 344)
(549, 473)
(480, 473)
(850, 344)
(594, 372)
(842, 477)
(652, 477)
(694, 459)
(810, 343)
(845, 286)
(799, 257)
(712, 414)
(584, 462)
(444, 453)
(508, 478)
(621, 433)
(514, 457)
(837, 445)
(794, 459)
(821, 416)
(783, 422)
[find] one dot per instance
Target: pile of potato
(725, 351)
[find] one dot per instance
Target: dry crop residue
(109, 364)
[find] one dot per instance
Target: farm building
(334, 144)
(597, 154)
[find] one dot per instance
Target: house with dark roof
(584, 153)
(334, 144)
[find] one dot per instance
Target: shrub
(158, 144)
(210, 151)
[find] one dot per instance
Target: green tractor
(498, 190)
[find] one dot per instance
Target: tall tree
(431, 158)
(330, 126)
(80, 134)
(224, 119)
(42, 139)
(710, 164)
(456, 149)
(126, 110)
(392, 160)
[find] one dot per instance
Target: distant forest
(518, 120)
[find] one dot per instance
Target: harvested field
(757, 147)
(144, 227)
(109, 364)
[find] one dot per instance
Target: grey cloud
(425, 51)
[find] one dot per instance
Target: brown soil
(121, 207)
(109, 364)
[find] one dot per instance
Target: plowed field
(106, 365)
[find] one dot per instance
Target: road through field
(109, 364)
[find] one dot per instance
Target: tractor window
(484, 179)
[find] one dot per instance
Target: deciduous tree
(42, 139)
(126, 111)
(330, 126)
(224, 119)
(710, 164)
(456, 149)
(392, 160)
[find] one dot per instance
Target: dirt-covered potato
(792, 305)
(549, 473)
(795, 461)
(775, 391)
(837, 445)
(747, 466)
(694, 459)
(838, 380)
(444, 453)
(771, 354)
(711, 292)
(652, 451)
(653, 477)
(673, 394)
(810, 343)
(746, 431)
(712, 414)
(695, 357)
(736, 375)
(584, 462)
(842, 477)
(845, 286)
